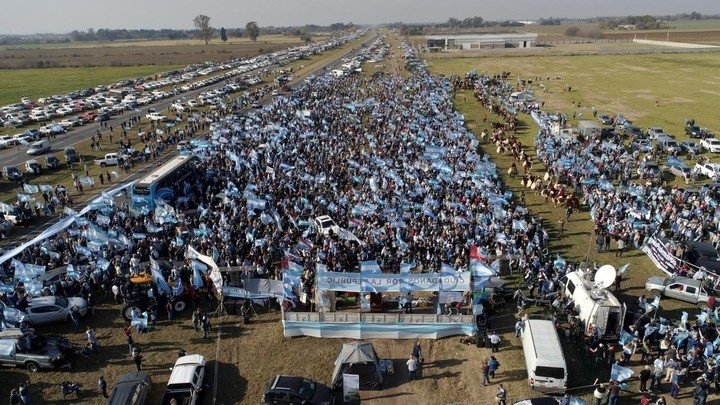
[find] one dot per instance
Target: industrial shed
(480, 41)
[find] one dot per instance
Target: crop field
(158, 53)
(36, 83)
(246, 356)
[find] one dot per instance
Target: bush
(572, 31)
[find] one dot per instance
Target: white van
(544, 358)
(597, 307)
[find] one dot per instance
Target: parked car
(34, 134)
(704, 255)
(649, 170)
(7, 141)
(655, 132)
(711, 145)
(633, 132)
(52, 162)
(12, 316)
(325, 224)
(694, 131)
(681, 288)
(39, 147)
(34, 352)
(33, 167)
(12, 173)
(605, 119)
(641, 145)
(186, 383)
(285, 389)
(71, 155)
(52, 309)
(690, 147)
(679, 170)
(668, 145)
(132, 389)
(711, 170)
(154, 116)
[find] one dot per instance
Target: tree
(202, 24)
(252, 30)
(223, 34)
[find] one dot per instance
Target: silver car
(52, 309)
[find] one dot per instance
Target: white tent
(359, 358)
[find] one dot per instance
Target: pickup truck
(154, 116)
(681, 288)
(186, 381)
(110, 159)
(33, 352)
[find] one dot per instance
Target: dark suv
(284, 389)
(132, 389)
(71, 155)
(703, 255)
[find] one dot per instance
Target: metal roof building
(481, 41)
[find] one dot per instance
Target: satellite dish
(605, 276)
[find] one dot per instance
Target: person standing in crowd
(518, 328)
(485, 373)
(412, 365)
(701, 390)
(620, 247)
(24, 392)
(169, 309)
(196, 319)
(493, 366)
(206, 325)
(500, 395)
(102, 385)
(644, 378)
(92, 339)
(130, 341)
(75, 317)
(137, 358)
(15, 397)
(613, 392)
(494, 341)
(599, 393)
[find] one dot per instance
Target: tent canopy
(359, 358)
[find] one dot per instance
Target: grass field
(161, 53)
(36, 83)
(624, 84)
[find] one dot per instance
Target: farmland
(247, 356)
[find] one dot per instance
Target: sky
(63, 16)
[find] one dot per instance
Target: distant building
(480, 41)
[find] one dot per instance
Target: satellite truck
(596, 306)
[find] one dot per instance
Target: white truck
(110, 159)
(597, 307)
(154, 116)
(186, 381)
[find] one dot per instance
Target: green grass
(685, 85)
(35, 83)
(688, 25)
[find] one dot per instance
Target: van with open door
(544, 357)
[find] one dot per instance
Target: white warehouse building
(480, 41)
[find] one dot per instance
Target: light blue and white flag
(620, 373)
(30, 188)
(370, 266)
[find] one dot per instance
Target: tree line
(121, 34)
